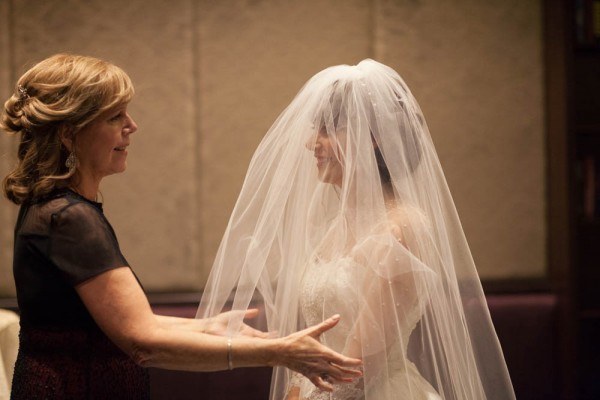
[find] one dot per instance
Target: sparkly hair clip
(23, 95)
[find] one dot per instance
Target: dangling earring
(71, 162)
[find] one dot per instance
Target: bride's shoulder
(407, 214)
(407, 220)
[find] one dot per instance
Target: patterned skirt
(63, 364)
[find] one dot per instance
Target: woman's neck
(86, 188)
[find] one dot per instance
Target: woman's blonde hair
(55, 99)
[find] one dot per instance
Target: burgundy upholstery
(244, 383)
(526, 325)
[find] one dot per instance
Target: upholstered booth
(527, 329)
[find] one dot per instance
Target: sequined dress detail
(61, 241)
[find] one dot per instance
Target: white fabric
(9, 346)
(345, 210)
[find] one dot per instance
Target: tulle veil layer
(367, 229)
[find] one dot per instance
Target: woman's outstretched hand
(302, 352)
(217, 325)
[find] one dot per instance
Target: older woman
(87, 330)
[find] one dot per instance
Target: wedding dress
(333, 284)
(345, 210)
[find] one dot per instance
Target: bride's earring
(71, 162)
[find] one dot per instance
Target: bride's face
(326, 151)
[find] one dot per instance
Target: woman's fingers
(330, 356)
(332, 372)
(247, 330)
(322, 382)
(218, 324)
(343, 374)
(329, 366)
(251, 313)
(336, 359)
(325, 376)
(252, 332)
(316, 330)
(342, 360)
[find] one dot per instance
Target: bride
(345, 210)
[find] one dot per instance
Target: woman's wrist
(252, 352)
(274, 352)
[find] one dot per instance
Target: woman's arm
(216, 325)
(119, 306)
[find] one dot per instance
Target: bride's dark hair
(333, 112)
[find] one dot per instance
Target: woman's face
(326, 152)
(101, 147)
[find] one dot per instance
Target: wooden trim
(513, 286)
(9, 303)
(558, 39)
(174, 298)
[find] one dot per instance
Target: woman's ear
(67, 137)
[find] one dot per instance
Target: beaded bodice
(337, 287)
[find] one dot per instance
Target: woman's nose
(311, 143)
(131, 126)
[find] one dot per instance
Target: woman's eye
(116, 117)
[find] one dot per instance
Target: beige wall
(211, 76)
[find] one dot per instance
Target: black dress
(61, 241)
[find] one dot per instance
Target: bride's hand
(217, 325)
(302, 352)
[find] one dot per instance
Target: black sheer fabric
(60, 242)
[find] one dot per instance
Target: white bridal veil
(345, 210)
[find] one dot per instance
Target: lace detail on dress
(338, 287)
(350, 391)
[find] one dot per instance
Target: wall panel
(254, 57)
(212, 76)
(153, 206)
(476, 69)
(7, 151)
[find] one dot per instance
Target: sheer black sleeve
(82, 244)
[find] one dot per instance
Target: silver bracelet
(229, 354)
